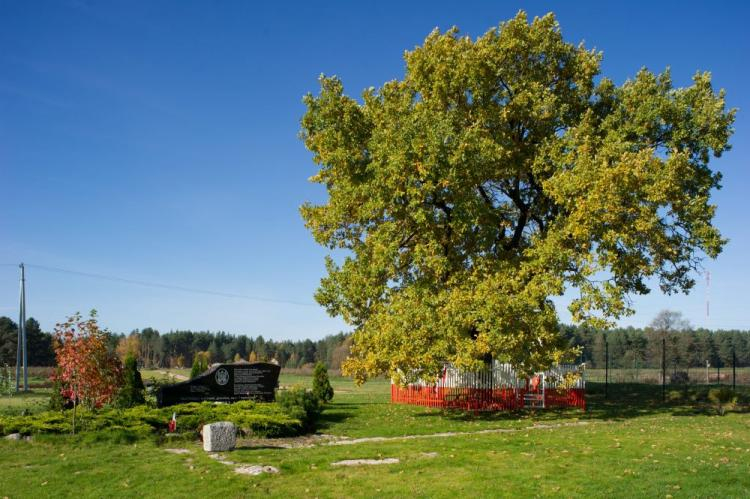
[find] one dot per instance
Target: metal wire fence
(671, 373)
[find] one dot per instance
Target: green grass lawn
(631, 445)
(32, 401)
(165, 374)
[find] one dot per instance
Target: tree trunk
(75, 404)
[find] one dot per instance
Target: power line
(167, 286)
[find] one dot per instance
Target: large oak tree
(501, 172)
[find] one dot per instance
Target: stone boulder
(219, 437)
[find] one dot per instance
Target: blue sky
(157, 141)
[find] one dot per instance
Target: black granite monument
(225, 383)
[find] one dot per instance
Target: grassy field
(697, 375)
(628, 446)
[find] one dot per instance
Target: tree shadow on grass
(623, 401)
(257, 447)
(331, 418)
(631, 400)
(342, 405)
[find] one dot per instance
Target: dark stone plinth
(225, 383)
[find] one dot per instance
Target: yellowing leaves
(498, 174)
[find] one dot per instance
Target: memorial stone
(218, 437)
(225, 383)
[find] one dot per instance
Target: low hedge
(257, 418)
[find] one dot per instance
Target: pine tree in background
(201, 361)
(132, 390)
(196, 369)
(322, 388)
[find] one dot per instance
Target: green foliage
(154, 385)
(57, 401)
(722, 398)
(260, 419)
(38, 343)
(501, 172)
(302, 405)
(6, 381)
(675, 396)
(634, 348)
(132, 391)
(196, 369)
(200, 364)
(322, 388)
(174, 348)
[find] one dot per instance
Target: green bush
(153, 385)
(301, 404)
(722, 398)
(675, 396)
(322, 388)
(200, 364)
(132, 391)
(6, 381)
(56, 401)
(261, 419)
(196, 369)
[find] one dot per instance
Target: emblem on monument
(222, 377)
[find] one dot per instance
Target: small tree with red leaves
(88, 372)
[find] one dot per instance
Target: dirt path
(321, 440)
(180, 377)
(327, 440)
(354, 441)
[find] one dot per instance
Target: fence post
(663, 369)
(718, 371)
(606, 369)
(708, 382)
(734, 370)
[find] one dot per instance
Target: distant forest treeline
(177, 348)
(628, 347)
(642, 347)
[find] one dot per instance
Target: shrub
(301, 404)
(196, 369)
(675, 396)
(322, 388)
(262, 419)
(6, 381)
(56, 400)
(89, 372)
(700, 395)
(722, 398)
(201, 360)
(132, 391)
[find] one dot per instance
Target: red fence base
(483, 399)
